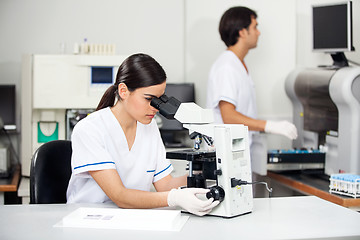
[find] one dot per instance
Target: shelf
(11, 184)
(313, 185)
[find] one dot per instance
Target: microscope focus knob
(217, 193)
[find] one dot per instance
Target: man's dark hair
(232, 21)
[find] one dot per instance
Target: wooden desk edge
(13, 186)
(345, 202)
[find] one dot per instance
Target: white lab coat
(99, 142)
(229, 81)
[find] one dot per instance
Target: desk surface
(306, 217)
(11, 184)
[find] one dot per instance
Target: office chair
(50, 172)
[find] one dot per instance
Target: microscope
(220, 159)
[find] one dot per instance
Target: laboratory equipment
(326, 112)
(54, 84)
(326, 100)
(345, 184)
(94, 48)
(171, 130)
(222, 164)
(73, 116)
(5, 162)
(7, 106)
(295, 159)
(332, 30)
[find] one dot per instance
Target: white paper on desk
(127, 219)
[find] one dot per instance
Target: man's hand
(282, 127)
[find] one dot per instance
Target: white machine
(54, 85)
(326, 105)
(4, 161)
(224, 166)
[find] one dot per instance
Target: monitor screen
(102, 75)
(184, 92)
(7, 106)
(332, 27)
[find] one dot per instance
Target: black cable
(266, 185)
(238, 182)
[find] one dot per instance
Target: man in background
(231, 91)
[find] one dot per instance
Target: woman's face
(138, 102)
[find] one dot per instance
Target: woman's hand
(187, 199)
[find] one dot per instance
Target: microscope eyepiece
(156, 102)
(164, 98)
(166, 106)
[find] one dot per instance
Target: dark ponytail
(137, 71)
(108, 99)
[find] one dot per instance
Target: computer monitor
(184, 92)
(102, 75)
(332, 30)
(7, 106)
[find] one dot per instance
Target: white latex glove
(282, 127)
(186, 199)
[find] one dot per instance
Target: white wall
(39, 26)
(181, 34)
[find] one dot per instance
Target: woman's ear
(123, 91)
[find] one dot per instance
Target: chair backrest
(50, 172)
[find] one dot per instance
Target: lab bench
(312, 183)
(9, 185)
(306, 217)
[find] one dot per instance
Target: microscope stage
(192, 155)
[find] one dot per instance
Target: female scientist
(118, 152)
